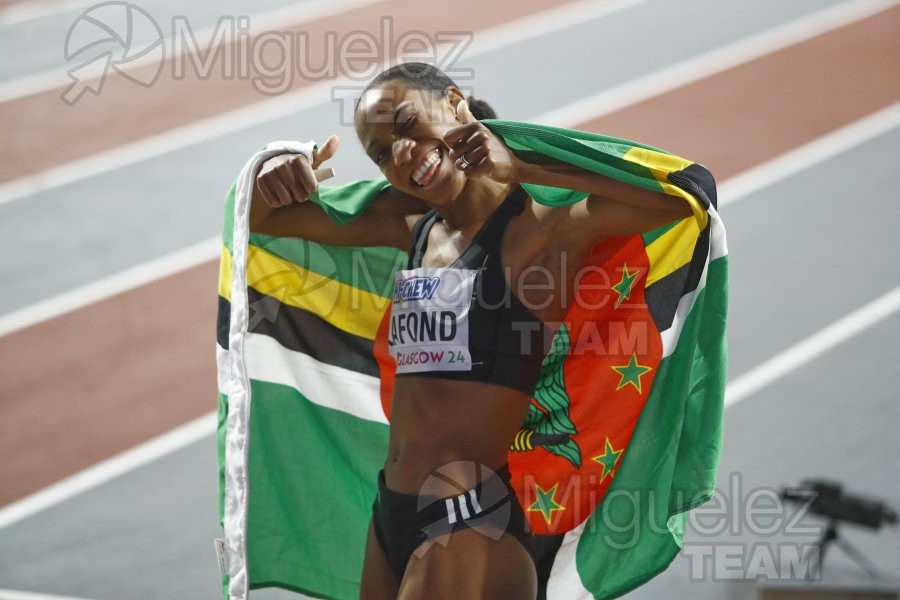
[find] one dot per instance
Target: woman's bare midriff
(452, 426)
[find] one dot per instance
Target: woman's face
(402, 132)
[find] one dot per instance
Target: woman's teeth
(426, 171)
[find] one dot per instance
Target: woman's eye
(407, 123)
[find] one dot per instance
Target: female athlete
(481, 294)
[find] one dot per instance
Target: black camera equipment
(827, 498)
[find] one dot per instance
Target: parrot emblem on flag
(547, 424)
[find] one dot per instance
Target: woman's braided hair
(422, 76)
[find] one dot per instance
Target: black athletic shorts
(403, 522)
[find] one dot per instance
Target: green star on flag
(623, 288)
(608, 459)
(546, 503)
(631, 374)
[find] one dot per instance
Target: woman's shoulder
(390, 199)
(395, 204)
(544, 217)
(551, 226)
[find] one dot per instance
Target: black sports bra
(463, 321)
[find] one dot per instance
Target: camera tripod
(831, 536)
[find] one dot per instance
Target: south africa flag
(624, 431)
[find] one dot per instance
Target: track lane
(183, 305)
(125, 112)
(39, 36)
(772, 104)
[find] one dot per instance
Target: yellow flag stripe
(672, 250)
(346, 307)
(225, 274)
(660, 165)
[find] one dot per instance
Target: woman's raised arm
(280, 206)
(611, 207)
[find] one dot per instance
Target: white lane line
(276, 19)
(523, 29)
(809, 154)
(20, 595)
(812, 347)
(111, 468)
(107, 287)
(716, 61)
(738, 389)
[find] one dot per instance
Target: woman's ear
(453, 96)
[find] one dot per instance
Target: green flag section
(624, 431)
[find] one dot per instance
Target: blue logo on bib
(416, 288)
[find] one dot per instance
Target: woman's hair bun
(480, 109)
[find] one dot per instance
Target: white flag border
(232, 373)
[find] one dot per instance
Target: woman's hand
(479, 153)
(290, 178)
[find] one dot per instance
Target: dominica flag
(624, 430)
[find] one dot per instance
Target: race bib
(430, 319)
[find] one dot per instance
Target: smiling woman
(423, 91)
(469, 327)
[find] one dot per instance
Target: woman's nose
(402, 150)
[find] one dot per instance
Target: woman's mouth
(425, 172)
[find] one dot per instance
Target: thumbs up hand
(477, 152)
(289, 178)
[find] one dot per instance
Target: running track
(729, 85)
